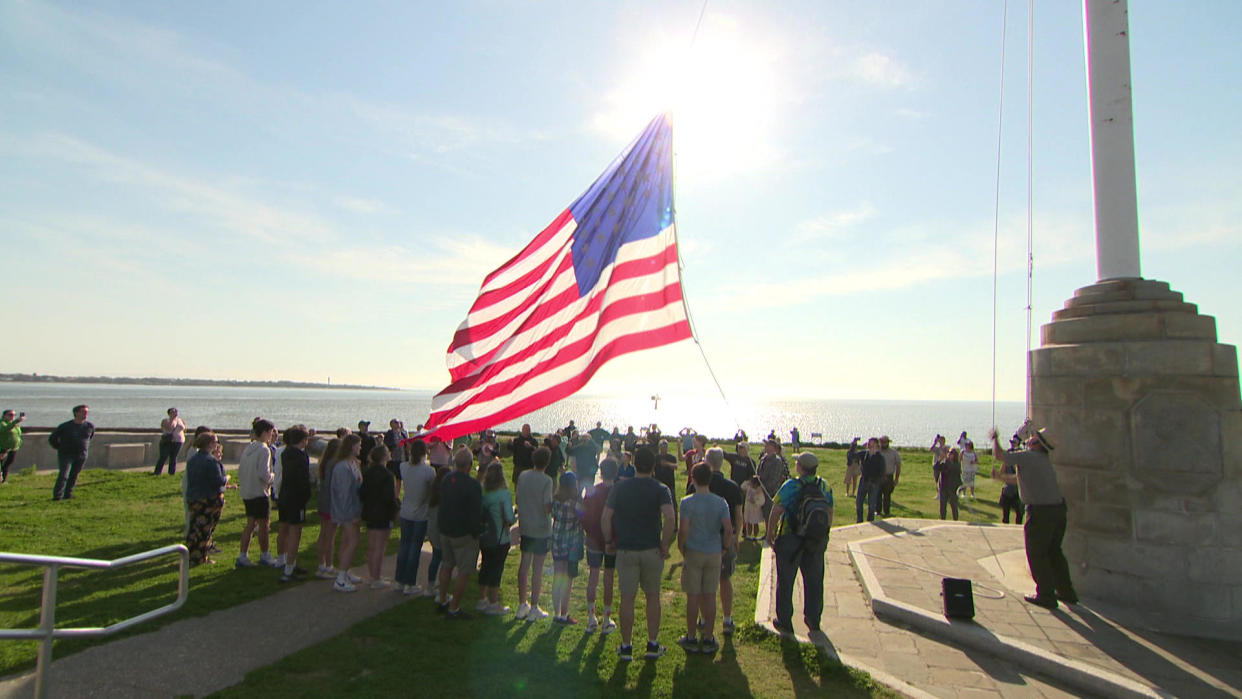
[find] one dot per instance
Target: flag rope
(1030, 173)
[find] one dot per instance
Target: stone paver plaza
(1011, 648)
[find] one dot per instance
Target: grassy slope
(115, 514)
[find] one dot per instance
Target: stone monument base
(1143, 406)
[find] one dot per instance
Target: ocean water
(908, 423)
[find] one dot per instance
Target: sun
(725, 93)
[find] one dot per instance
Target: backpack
(814, 515)
(490, 534)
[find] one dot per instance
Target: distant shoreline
(158, 381)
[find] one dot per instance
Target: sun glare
(725, 94)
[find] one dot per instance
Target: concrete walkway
(886, 617)
(227, 644)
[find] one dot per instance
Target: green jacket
(10, 435)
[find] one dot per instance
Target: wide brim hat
(1042, 436)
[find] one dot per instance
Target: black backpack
(814, 516)
(489, 536)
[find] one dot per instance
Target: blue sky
(306, 190)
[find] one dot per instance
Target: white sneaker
(267, 560)
(607, 627)
(482, 605)
(343, 586)
(592, 625)
(325, 573)
(429, 592)
(522, 611)
(244, 562)
(353, 578)
(536, 614)
(379, 584)
(497, 609)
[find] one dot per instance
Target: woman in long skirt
(205, 484)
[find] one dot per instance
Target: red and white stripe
(530, 339)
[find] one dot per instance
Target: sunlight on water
(909, 423)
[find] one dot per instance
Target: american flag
(600, 281)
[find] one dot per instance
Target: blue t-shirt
(790, 496)
(705, 512)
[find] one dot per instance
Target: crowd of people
(602, 496)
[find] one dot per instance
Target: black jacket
(378, 493)
(461, 505)
(71, 438)
(872, 467)
(295, 486)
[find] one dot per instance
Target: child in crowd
(704, 533)
(346, 509)
(327, 530)
(752, 510)
(597, 550)
(970, 469)
(626, 470)
(433, 533)
(295, 490)
(378, 493)
(567, 543)
(494, 542)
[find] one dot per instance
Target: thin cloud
(418, 135)
(359, 205)
(138, 57)
(877, 68)
(236, 219)
(833, 226)
(920, 255)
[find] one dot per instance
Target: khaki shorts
(460, 552)
(701, 573)
(636, 568)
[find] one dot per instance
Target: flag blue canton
(632, 200)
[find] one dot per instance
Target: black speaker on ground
(959, 599)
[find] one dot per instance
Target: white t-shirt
(416, 480)
(970, 463)
(533, 495)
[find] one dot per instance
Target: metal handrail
(47, 630)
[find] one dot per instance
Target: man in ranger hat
(368, 442)
(1045, 517)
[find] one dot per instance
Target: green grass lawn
(115, 514)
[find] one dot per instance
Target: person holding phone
(10, 440)
(171, 441)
